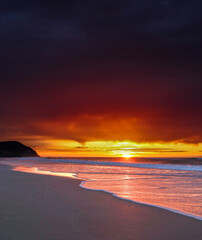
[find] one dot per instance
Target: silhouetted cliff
(16, 149)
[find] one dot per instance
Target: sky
(102, 78)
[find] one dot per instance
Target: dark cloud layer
(63, 61)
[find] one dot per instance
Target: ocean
(172, 184)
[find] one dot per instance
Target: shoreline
(35, 206)
(147, 204)
(82, 183)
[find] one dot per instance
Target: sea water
(172, 184)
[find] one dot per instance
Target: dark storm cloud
(142, 59)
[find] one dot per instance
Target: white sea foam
(153, 205)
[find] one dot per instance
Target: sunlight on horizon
(126, 149)
(127, 155)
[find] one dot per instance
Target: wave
(177, 167)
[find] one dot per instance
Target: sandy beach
(41, 207)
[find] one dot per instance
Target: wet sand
(42, 207)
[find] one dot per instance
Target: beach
(34, 206)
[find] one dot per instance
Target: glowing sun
(127, 155)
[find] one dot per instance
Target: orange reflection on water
(35, 170)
